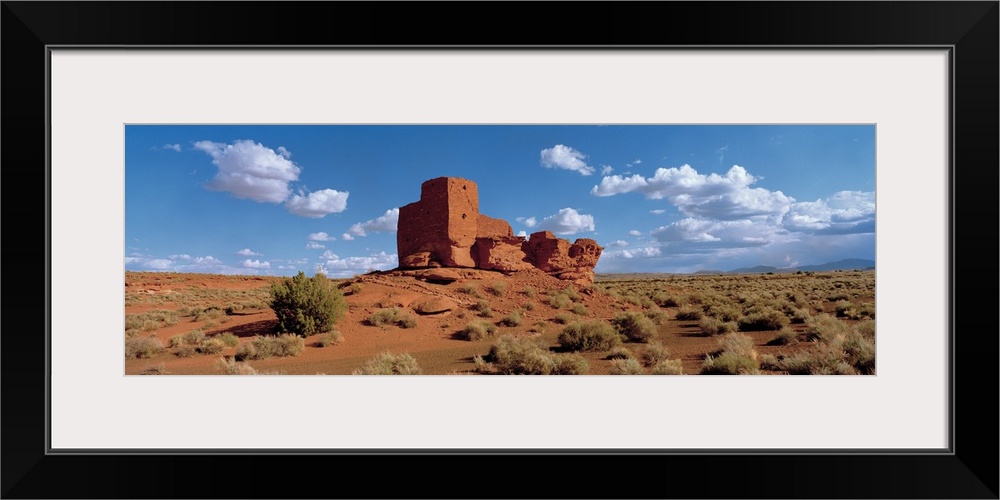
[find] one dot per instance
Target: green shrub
(659, 316)
(825, 359)
(176, 341)
(714, 326)
(559, 301)
(590, 336)
(330, 338)
(271, 346)
(634, 326)
(825, 328)
(724, 312)
(569, 364)
(529, 291)
(477, 330)
(211, 346)
(580, 309)
(859, 352)
(229, 339)
(563, 318)
(625, 367)
(654, 354)
(142, 347)
(387, 363)
(307, 306)
(668, 367)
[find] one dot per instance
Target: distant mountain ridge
(829, 266)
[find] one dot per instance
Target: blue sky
(277, 199)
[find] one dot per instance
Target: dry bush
(229, 339)
(330, 338)
(483, 309)
(620, 353)
(512, 319)
(271, 347)
(713, 326)
(477, 330)
(391, 316)
(688, 313)
(654, 354)
(634, 326)
(387, 363)
(625, 367)
(659, 316)
(580, 310)
(211, 346)
(470, 289)
(668, 367)
(764, 319)
(497, 288)
(521, 356)
(594, 335)
(154, 370)
(142, 347)
(563, 318)
(784, 337)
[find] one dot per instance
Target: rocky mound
(445, 229)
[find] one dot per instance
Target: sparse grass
(230, 366)
(659, 316)
(229, 339)
(271, 347)
(580, 310)
(529, 306)
(142, 347)
(211, 346)
(634, 326)
(594, 335)
(149, 321)
(620, 353)
(714, 326)
(625, 367)
(559, 301)
(765, 319)
(668, 367)
(329, 338)
(538, 327)
(477, 330)
(387, 363)
(470, 289)
(512, 319)
(655, 353)
(825, 328)
(497, 288)
(483, 309)
(724, 312)
(186, 351)
(522, 356)
(529, 291)
(730, 364)
(689, 313)
(785, 336)
(392, 316)
(563, 318)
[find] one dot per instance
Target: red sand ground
(433, 342)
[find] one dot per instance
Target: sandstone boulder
(439, 275)
(433, 305)
(501, 254)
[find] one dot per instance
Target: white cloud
(312, 245)
(350, 266)
(385, 223)
(618, 243)
(606, 169)
(846, 212)
(566, 158)
(635, 233)
(700, 235)
(174, 147)
(246, 252)
(317, 204)
(321, 236)
(250, 170)
(658, 211)
(182, 256)
(567, 221)
(527, 221)
(328, 255)
(633, 253)
(347, 237)
(697, 195)
(286, 267)
(181, 263)
(148, 263)
(522, 233)
(256, 264)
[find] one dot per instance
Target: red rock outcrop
(445, 229)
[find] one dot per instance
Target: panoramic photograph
(499, 250)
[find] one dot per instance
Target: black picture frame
(968, 470)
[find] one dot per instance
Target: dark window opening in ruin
(463, 216)
(463, 188)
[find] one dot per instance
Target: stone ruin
(445, 229)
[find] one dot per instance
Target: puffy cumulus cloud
(246, 252)
(700, 235)
(522, 233)
(328, 255)
(256, 264)
(180, 263)
(251, 170)
(182, 256)
(607, 169)
(137, 262)
(527, 221)
(618, 243)
(312, 245)
(635, 233)
(347, 237)
(846, 212)
(350, 266)
(385, 223)
(321, 236)
(566, 158)
(715, 196)
(317, 204)
(567, 221)
(248, 169)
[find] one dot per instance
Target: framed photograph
(915, 83)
